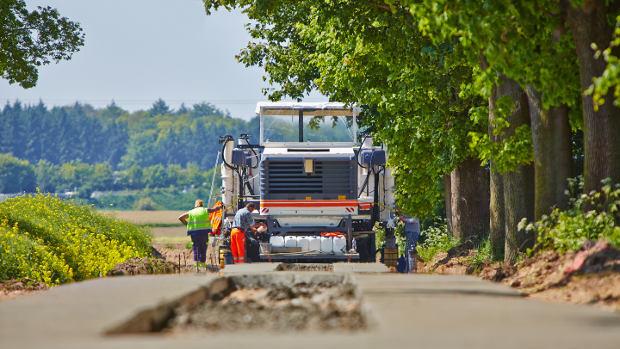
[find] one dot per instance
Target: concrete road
(411, 311)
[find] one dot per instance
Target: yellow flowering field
(43, 238)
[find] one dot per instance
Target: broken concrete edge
(154, 319)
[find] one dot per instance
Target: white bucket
(326, 244)
(290, 241)
(314, 243)
(304, 243)
(276, 241)
(339, 245)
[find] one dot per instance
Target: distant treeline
(118, 138)
(18, 175)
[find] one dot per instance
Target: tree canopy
(445, 81)
(354, 52)
(111, 135)
(32, 38)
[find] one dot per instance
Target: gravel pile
(14, 288)
(139, 266)
(301, 306)
(305, 267)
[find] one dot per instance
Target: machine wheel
(366, 248)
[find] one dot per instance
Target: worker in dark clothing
(197, 222)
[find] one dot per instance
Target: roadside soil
(13, 288)
(590, 275)
(140, 266)
(168, 258)
(180, 254)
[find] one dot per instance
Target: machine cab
(308, 164)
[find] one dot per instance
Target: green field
(163, 226)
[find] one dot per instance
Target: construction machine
(320, 187)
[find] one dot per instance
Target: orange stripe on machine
(365, 205)
(308, 203)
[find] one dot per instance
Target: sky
(139, 50)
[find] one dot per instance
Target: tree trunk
(469, 201)
(497, 233)
(519, 204)
(518, 184)
(589, 24)
(447, 197)
(552, 154)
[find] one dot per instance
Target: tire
(366, 248)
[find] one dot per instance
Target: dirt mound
(138, 266)
(14, 288)
(497, 271)
(588, 276)
(456, 261)
(602, 289)
(305, 267)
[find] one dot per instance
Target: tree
(205, 109)
(34, 38)
(47, 176)
(112, 111)
(520, 47)
(589, 24)
(159, 108)
(16, 175)
(155, 177)
(354, 52)
(112, 135)
(182, 109)
(469, 201)
(610, 79)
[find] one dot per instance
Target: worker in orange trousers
(243, 224)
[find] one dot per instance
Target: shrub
(482, 256)
(399, 234)
(435, 239)
(591, 216)
(145, 204)
(379, 235)
(16, 175)
(22, 257)
(88, 243)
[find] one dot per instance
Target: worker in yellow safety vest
(197, 222)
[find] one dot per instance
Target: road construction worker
(197, 222)
(243, 226)
(215, 217)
